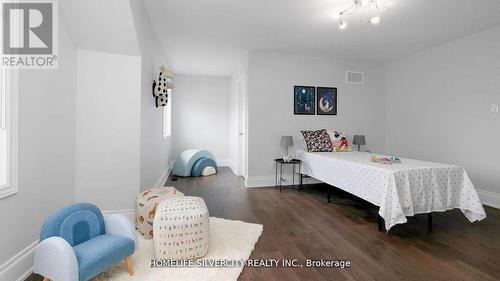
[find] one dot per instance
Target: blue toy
(200, 165)
(194, 162)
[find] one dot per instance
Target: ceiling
(105, 26)
(209, 37)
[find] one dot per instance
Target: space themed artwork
(326, 101)
(304, 102)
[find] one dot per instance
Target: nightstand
(279, 176)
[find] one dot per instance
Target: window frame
(9, 118)
(167, 117)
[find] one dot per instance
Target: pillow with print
(317, 141)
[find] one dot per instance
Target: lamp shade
(286, 141)
(359, 140)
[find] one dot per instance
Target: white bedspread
(400, 190)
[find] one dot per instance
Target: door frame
(242, 126)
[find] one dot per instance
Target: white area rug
(230, 240)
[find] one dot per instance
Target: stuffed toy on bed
(339, 141)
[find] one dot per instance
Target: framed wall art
(326, 101)
(304, 100)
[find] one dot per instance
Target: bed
(399, 190)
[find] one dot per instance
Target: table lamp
(359, 140)
(286, 141)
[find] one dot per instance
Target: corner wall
(439, 108)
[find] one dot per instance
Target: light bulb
(375, 20)
(365, 3)
(342, 25)
(336, 16)
(383, 4)
(389, 3)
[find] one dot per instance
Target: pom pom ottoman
(146, 204)
(181, 229)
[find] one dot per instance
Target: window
(167, 116)
(8, 132)
(8, 121)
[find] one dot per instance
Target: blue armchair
(77, 243)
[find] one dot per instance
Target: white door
(242, 127)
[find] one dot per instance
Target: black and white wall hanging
(162, 86)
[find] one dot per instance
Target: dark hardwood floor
(302, 225)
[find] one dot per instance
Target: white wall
(107, 129)
(271, 78)
(438, 106)
(201, 115)
(155, 149)
(46, 157)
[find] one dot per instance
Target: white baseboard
(489, 198)
(129, 213)
(259, 181)
(233, 168)
(269, 180)
(20, 266)
(164, 176)
(224, 162)
(228, 163)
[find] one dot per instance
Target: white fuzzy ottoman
(181, 228)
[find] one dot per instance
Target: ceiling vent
(354, 77)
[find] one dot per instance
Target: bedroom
(237, 73)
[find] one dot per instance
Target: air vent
(354, 77)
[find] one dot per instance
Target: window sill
(6, 191)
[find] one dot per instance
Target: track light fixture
(373, 6)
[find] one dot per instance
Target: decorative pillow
(339, 141)
(317, 141)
